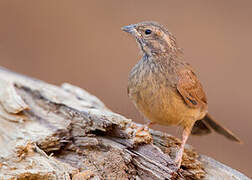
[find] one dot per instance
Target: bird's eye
(147, 31)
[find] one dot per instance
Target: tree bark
(51, 132)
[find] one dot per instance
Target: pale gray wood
(51, 132)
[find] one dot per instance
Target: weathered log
(50, 132)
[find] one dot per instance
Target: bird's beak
(130, 29)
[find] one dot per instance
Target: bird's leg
(185, 135)
(149, 124)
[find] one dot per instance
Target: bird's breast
(155, 95)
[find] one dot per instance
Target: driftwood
(50, 132)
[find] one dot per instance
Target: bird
(166, 89)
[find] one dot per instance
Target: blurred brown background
(81, 43)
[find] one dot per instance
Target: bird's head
(152, 37)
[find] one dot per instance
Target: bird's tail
(205, 125)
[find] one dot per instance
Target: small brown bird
(165, 88)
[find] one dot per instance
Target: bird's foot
(145, 127)
(142, 128)
(142, 135)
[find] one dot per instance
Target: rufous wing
(191, 89)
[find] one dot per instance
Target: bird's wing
(191, 89)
